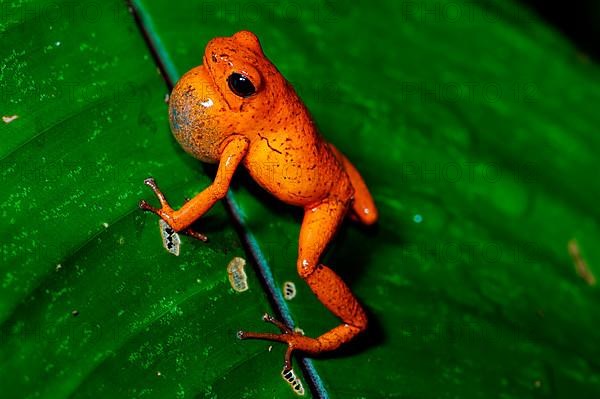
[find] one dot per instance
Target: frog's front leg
(181, 219)
(164, 207)
(318, 227)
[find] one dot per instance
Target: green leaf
(474, 126)
(91, 305)
(476, 133)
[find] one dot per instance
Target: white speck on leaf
(9, 119)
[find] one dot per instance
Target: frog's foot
(165, 207)
(166, 212)
(294, 340)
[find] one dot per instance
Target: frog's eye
(240, 85)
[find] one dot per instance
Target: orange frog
(236, 109)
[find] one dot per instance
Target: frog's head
(235, 91)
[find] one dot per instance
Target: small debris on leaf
(9, 119)
(289, 290)
(237, 275)
(294, 381)
(581, 266)
(170, 238)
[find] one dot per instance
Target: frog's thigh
(363, 206)
(318, 228)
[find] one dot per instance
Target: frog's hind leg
(318, 227)
(363, 206)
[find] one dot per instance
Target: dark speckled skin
(272, 134)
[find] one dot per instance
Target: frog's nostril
(213, 57)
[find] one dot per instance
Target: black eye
(240, 85)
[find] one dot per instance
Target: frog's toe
(144, 205)
(195, 234)
(149, 181)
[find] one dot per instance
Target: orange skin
(269, 131)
